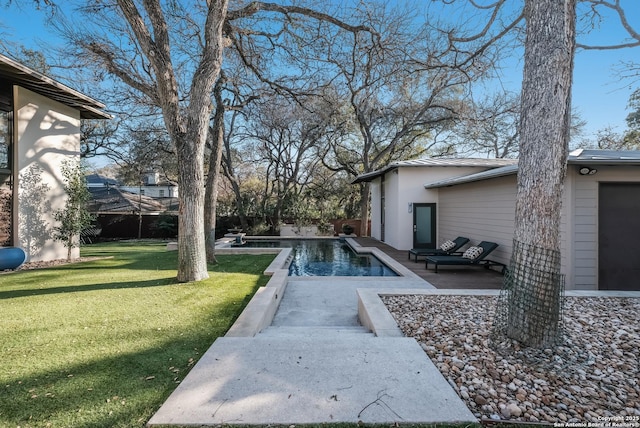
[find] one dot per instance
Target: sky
(599, 95)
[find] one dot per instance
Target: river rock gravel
(592, 378)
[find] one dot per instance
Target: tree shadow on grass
(27, 283)
(82, 288)
(116, 391)
(138, 258)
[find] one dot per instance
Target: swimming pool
(326, 257)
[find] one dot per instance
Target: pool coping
(372, 313)
(261, 309)
(401, 270)
(223, 246)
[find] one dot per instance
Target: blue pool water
(327, 257)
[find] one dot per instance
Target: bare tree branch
(257, 6)
(619, 10)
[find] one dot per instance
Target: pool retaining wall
(259, 312)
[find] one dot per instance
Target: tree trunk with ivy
(534, 284)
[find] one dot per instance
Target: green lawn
(103, 343)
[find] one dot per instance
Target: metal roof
(435, 162)
(577, 157)
(484, 175)
(605, 157)
(21, 75)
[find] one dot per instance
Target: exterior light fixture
(585, 170)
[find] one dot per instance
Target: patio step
(313, 380)
(315, 331)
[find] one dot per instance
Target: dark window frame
(7, 172)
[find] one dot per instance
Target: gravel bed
(593, 379)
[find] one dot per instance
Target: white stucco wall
(46, 134)
(408, 187)
(374, 191)
(392, 226)
(405, 187)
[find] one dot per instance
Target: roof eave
(370, 176)
(506, 171)
(24, 76)
(604, 161)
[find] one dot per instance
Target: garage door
(619, 236)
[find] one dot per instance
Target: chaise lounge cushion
(447, 245)
(478, 260)
(459, 242)
(473, 253)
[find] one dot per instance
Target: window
(162, 193)
(6, 187)
(5, 140)
(142, 192)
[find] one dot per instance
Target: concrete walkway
(298, 354)
(315, 363)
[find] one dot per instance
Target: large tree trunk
(211, 199)
(192, 263)
(186, 124)
(534, 282)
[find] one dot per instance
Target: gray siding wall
(585, 232)
(485, 211)
(482, 211)
(585, 206)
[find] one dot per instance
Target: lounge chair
(458, 243)
(472, 257)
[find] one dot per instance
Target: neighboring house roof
(171, 205)
(115, 201)
(97, 180)
(451, 162)
(577, 157)
(161, 184)
(23, 76)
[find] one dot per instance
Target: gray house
(39, 130)
(600, 214)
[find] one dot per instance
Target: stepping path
(315, 364)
